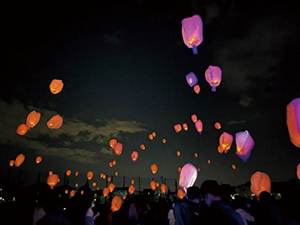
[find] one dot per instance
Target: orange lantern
(89, 175)
(153, 185)
(72, 193)
(142, 146)
(163, 188)
(114, 162)
(260, 181)
(217, 125)
(154, 134)
(293, 121)
(66, 191)
(38, 159)
(55, 122)
(213, 76)
(298, 171)
(11, 163)
(197, 89)
(196, 155)
(116, 204)
(76, 184)
(76, 173)
(112, 143)
(105, 192)
(118, 148)
(164, 140)
(180, 193)
(52, 180)
(198, 169)
(233, 166)
(179, 169)
(208, 161)
(81, 192)
(111, 187)
(94, 184)
(199, 126)
(33, 118)
(124, 196)
(177, 128)
(19, 160)
(68, 172)
(178, 153)
(22, 129)
(154, 168)
(50, 172)
(131, 189)
(134, 156)
(194, 118)
(56, 86)
(108, 179)
(185, 126)
(132, 181)
(225, 141)
(110, 164)
(150, 137)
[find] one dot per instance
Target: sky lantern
(19, 160)
(150, 137)
(187, 176)
(76, 173)
(118, 148)
(225, 141)
(185, 126)
(199, 126)
(298, 171)
(177, 128)
(197, 89)
(68, 172)
(196, 154)
(244, 145)
(38, 159)
(192, 32)
(112, 143)
(116, 173)
(154, 168)
(233, 167)
(154, 134)
(131, 189)
(89, 175)
(178, 153)
(134, 156)
(180, 193)
(114, 162)
(111, 187)
(142, 146)
(132, 181)
(50, 172)
(22, 129)
(164, 141)
(55, 122)
(208, 161)
(293, 121)
(94, 184)
(191, 79)
(116, 204)
(153, 185)
(194, 118)
(260, 181)
(52, 180)
(105, 192)
(11, 163)
(56, 86)
(163, 188)
(33, 118)
(218, 125)
(108, 179)
(213, 76)
(72, 193)
(110, 164)
(179, 169)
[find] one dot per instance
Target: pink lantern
(225, 141)
(293, 121)
(197, 89)
(177, 128)
(187, 176)
(194, 118)
(191, 79)
(260, 181)
(213, 76)
(199, 126)
(118, 148)
(185, 126)
(192, 32)
(134, 156)
(244, 145)
(218, 125)
(298, 171)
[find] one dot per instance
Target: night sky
(123, 66)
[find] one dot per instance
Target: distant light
(64, 209)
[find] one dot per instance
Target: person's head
(210, 191)
(193, 194)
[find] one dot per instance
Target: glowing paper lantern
(89, 175)
(217, 125)
(196, 155)
(38, 159)
(94, 184)
(191, 79)
(105, 192)
(260, 181)
(293, 121)
(185, 126)
(110, 164)
(164, 140)
(194, 118)
(177, 128)
(180, 193)
(225, 141)
(233, 166)
(154, 168)
(118, 148)
(208, 161)
(197, 89)
(142, 146)
(111, 187)
(22, 129)
(68, 172)
(52, 180)
(116, 204)
(154, 134)
(55, 122)
(179, 169)
(33, 118)
(150, 137)
(116, 173)
(178, 153)
(153, 185)
(50, 172)
(199, 126)
(19, 160)
(72, 193)
(132, 181)
(213, 76)
(134, 156)
(11, 163)
(112, 143)
(244, 145)
(56, 86)
(131, 189)
(163, 188)
(298, 171)
(76, 173)
(188, 175)
(114, 162)
(192, 32)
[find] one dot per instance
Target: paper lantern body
(225, 141)
(260, 181)
(194, 118)
(177, 128)
(105, 192)
(154, 168)
(19, 160)
(180, 193)
(298, 171)
(52, 180)
(213, 76)
(199, 126)
(22, 129)
(192, 32)
(55, 122)
(185, 126)
(153, 185)
(118, 148)
(142, 146)
(56, 86)
(218, 125)
(244, 145)
(33, 118)
(150, 137)
(111, 187)
(72, 193)
(38, 159)
(293, 121)
(178, 153)
(116, 204)
(131, 189)
(134, 156)
(191, 79)
(11, 163)
(163, 188)
(197, 89)
(112, 143)
(188, 175)
(68, 173)
(89, 175)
